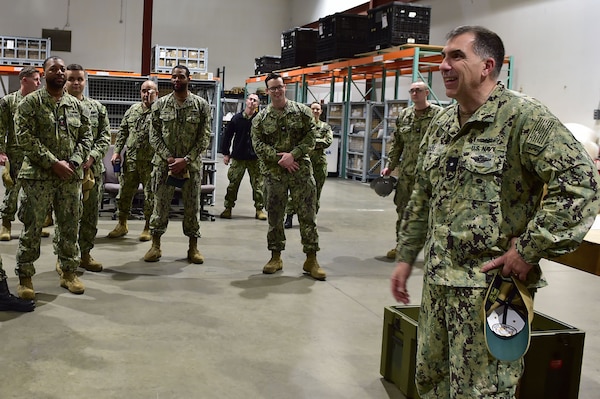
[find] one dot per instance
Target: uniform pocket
(482, 178)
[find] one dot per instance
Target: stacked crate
(164, 58)
(398, 23)
(23, 51)
(266, 64)
(298, 47)
(342, 36)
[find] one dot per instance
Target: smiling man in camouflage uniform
(179, 134)
(477, 206)
(283, 134)
(134, 134)
(100, 127)
(53, 129)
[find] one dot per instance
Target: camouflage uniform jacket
(479, 186)
(410, 130)
(323, 138)
(100, 126)
(134, 133)
(291, 130)
(8, 109)
(50, 132)
(180, 130)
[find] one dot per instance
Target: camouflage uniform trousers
(404, 189)
(452, 358)
(8, 209)
(163, 195)
(235, 174)
(37, 197)
(88, 225)
(130, 180)
(319, 164)
(303, 189)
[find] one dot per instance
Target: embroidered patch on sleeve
(539, 135)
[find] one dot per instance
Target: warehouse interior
(223, 329)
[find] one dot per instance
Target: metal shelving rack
(364, 136)
(118, 93)
(414, 61)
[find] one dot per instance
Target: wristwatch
(187, 159)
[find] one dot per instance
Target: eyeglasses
(276, 88)
(414, 91)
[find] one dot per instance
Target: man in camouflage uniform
(53, 129)
(11, 156)
(242, 158)
(134, 135)
(411, 125)
(477, 205)
(100, 127)
(283, 135)
(179, 134)
(318, 159)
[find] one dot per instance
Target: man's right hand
(3, 158)
(398, 282)
(114, 157)
(226, 159)
(386, 172)
(63, 170)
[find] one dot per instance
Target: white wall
(307, 11)
(108, 34)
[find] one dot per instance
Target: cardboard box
(552, 364)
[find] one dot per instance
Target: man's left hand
(288, 162)
(511, 262)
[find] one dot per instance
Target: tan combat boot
(226, 214)
(120, 229)
(154, 253)
(25, 288)
(274, 264)
(146, 236)
(5, 230)
(193, 254)
(312, 267)
(260, 215)
(70, 281)
(89, 264)
(391, 254)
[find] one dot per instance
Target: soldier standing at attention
(179, 134)
(411, 126)
(134, 134)
(53, 129)
(11, 156)
(283, 135)
(242, 158)
(477, 206)
(93, 165)
(318, 159)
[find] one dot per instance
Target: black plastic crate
(298, 47)
(342, 36)
(266, 64)
(398, 23)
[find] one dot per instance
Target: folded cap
(6, 178)
(88, 183)
(508, 313)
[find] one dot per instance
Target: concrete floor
(171, 329)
